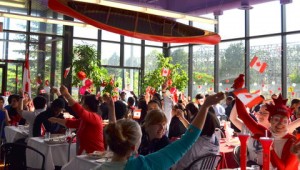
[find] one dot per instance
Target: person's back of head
(120, 109)
(91, 102)
(130, 101)
(39, 102)
(154, 102)
(157, 96)
(123, 137)
(154, 117)
(191, 108)
(211, 123)
(58, 103)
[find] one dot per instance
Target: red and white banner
(67, 70)
(248, 99)
(26, 75)
(165, 72)
(258, 65)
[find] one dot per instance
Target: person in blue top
(124, 137)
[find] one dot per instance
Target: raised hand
(214, 99)
(64, 90)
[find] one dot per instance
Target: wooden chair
(206, 162)
(15, 156)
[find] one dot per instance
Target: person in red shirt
(89, 123)
(281, 156)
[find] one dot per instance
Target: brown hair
(154, 117)
(122, 135)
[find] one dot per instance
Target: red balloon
(81, 75)
(88, 83)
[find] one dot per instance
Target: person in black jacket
(55, 110)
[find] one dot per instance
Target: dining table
(56, 153)
(88, 161)
(14, 133)
(226, 150)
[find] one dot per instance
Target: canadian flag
(67, 70)
(165, 72)
(26, 75)
(248, 99)
(258, 65)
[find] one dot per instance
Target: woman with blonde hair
(124, 137)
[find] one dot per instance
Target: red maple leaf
(258, 64)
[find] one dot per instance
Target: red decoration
(103, 84)
(227, 81)
(212, 80)
(200, 87)
(279, 88)
(210, 88)
(82, 90)
(88, 83)
(238, 82)
(47, 83)
(173, 90)
(170, 82)
(293, 93)
(226, 88)
(243, 150)
(271, 91)
(112, 81)
(266, 143)
(81, 75)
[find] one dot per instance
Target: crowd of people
(166, 133)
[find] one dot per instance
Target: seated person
(206, 143)
(124, 136)
(15, 118)
(40, 104)
(41, 120)
(178, 124)
(153, 129)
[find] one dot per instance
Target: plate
(55, 141)
(96, 155)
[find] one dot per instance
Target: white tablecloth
(81, 162)
(13, 133)
(55, 154)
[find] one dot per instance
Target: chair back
(236, 153)
(15, 156)
(206, 162)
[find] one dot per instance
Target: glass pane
(293, 66)
(180, 56)
(118, 74)
(132, 40)
(267, 50)
(232, 24)
(85, 42)
(58, 67)
(16, 51)
(292, 16)
(132, 56)
(14, 77)
(86, 32)
(208, 27)
(132, 80)
(265, 18)
(203, 69)
(14, 24)
(232, 63)
(106, 35)
(150, 58)
(110, 54)
(160, 44)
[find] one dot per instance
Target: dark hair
(155, 102)
(157, 96)
(39, 102)
(58, 103)
(1, 98)
(91, 102)
(130, 101)
(120, 109)
(13, 96)
(230, 98)
(179, 106)
(192, 108)
(199, 96)
(295, 101)
(211, 123)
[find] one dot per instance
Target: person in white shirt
(39, 104)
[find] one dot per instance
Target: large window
(232, 24)
(150, 58)
(132, 55)
(293, 66)
(203, 69)
(292, 16)
(265, 18)
(231, 63)
(110, 54)
(267, 50)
